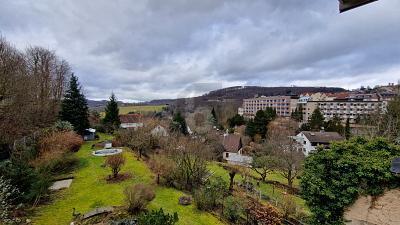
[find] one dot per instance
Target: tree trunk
(231, 177)
(263, 177)
(158, 178)
(290, 181)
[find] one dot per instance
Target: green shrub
(63, 126)
(333, 180)
(138, 197)
(158, 218)
(202, 200)
(31, 183)
(233, 209)
(20, 175)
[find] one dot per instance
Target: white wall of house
(131, 125)
(237, 158)
(305, 143)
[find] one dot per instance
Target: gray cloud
(150, 49)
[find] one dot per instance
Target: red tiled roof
(232, 142)
(130, 118)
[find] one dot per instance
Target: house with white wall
(131, 121)
(233, 153)
(311, 140)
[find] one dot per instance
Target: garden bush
(54, 146)
(233, 209)
(115, 162)
(21, 176)
(158, 217)
(333, 180)
(137, 197)
(56, 142)
(63, 126)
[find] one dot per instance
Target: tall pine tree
(347, 129)
(74, 107)
(214, 117)
(178, 124)
(262, 119)
(111, 118)
(316, 120)
(297, 114)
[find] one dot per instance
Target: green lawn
(140, 109)
(89, 190)
(275, 194)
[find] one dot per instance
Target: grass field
(90, 190)
(140, 109)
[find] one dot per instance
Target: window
(227, 155)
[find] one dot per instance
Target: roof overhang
(345, 5)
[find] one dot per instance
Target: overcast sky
(154, 49)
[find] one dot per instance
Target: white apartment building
(284, 105)
(351, 109)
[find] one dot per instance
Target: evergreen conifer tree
(347, 131)
(250, 128)
(74, 107)
(178, 124)
(316, 120)
(111, 118)
(262, 119)
(297, 114)
(214, 116)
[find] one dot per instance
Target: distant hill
(234, 96)
(231, 95)
(242, 92)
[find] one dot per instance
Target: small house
(233, 150)
(89, 134)
(310, 140)
(131, 121)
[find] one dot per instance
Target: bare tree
(115, 162)
(31, 86)
(288, 152)
(190, 158)
(264, 162)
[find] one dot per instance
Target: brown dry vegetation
(55, 144)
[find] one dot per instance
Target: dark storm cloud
(150, 49)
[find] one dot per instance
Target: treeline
(32, 84)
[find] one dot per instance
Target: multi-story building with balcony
(344, 109)
(284, 105)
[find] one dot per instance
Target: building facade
(284, 105)
(350, 109)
